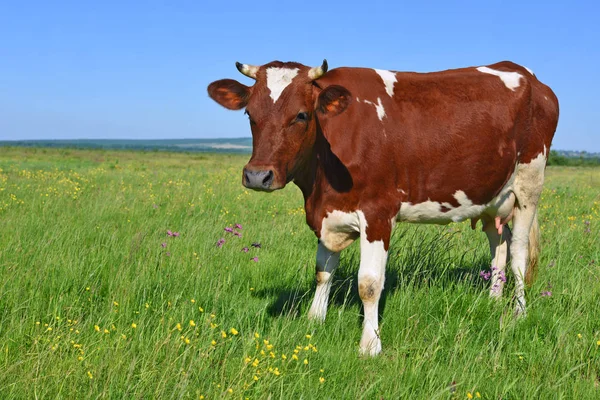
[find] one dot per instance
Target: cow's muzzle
(258, 180)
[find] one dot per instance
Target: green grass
(81, 247)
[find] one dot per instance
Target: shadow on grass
(413, 261)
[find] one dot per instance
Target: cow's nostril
(268, 179)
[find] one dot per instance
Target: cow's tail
(534, 251)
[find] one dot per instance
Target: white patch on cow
(371, 277)
(528, 70)
(339, 229)
(278, 79)
(378, 107)
(357, 100)
(431, 211)
(510, 79)
(389, 78)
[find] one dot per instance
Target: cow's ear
(333, 100)
(229, 93)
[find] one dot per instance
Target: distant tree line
(556, 158)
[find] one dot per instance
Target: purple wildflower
(255, 259)
(256, 245)
(220, 242)
(485, 275)
(176, 234)
(172, 234)
(154, 206)
(168, 253)
(229, 229)
(546, 293)
(238, 226)
(238, 234)
(169, 233)
(245, 249)
(163, 245)
(501, 276)
(587, 223)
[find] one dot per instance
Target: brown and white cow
(369, 148)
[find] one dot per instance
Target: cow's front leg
(327, 262)
(374, 240)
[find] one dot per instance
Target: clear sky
(119, 69)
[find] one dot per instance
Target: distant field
(98, 300)
(234, 145)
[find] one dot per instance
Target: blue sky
(140, 69)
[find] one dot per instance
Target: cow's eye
(303, 117)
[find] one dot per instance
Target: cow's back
(426, 136)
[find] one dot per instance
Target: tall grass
(96, 300)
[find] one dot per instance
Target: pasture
(118, 279)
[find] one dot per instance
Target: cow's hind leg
(527, 189)
(371, 276)
(499, 249)
(327, 262)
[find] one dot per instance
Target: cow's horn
(249, 70)
(317, 72)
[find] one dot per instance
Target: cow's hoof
(370, 346)
(316, 315)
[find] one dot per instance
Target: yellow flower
(283, 357)
(106, 330)
(271, 354)
(478, 395)
(49, 329)
(223, 334)
(579, 335)
(116, 304)
(213, 325)
(89, 374)
(193, 301)
(598, 343)
(469, 395)
(186, 340)
(200, 309)
(233, 331)
(322, 380)
(192, 323)
(178, 326)
(230, 390)
(96, 328)
(321, 370)
(305, 361)
(276, 372)
(308, 336)
(247, 360)
(256, 335)
(255, 363)
(80, 358)
(213, 342)
(123, 336)
(255, 378)
(133, 325)
(212, 315)
(294, 357)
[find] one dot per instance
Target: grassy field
(98, 300)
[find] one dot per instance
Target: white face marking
(389, 78)
(357, 100)
(528, 70)
(378, 107)
(278, 79)
(339, 229)
(510, 79)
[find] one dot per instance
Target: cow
(370, 148)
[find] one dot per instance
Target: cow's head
(282, 106)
